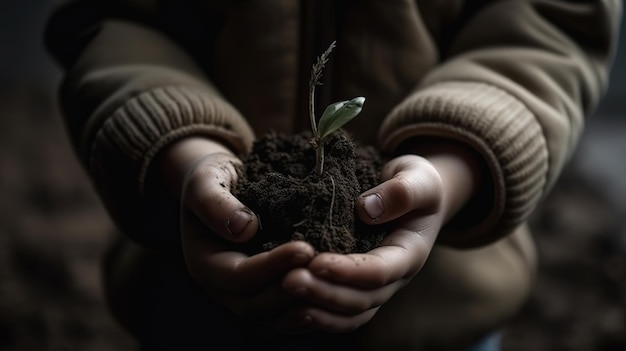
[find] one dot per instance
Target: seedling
(335, 116)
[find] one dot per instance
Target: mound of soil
(279, 183)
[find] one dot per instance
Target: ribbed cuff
(145, 124)
(500, 128)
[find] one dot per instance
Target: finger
(209, 261)
(247, 274)
(400, 256)
(411, 183)
(338, 298)
(206, 192)
(372, 270)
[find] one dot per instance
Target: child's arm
(129, 91)
(516, 82)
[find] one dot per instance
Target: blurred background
(53, 228)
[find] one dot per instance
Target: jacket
(513, 80)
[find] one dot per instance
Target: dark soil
(280, 185)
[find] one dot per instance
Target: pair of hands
(290, 289)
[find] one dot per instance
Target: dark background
(53, 227)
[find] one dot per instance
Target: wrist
(460, 170)
(176, 159)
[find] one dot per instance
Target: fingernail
(239, 221)
(373, 205)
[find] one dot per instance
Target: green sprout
(335, 115)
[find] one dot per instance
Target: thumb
(206, 192)
(410, 183)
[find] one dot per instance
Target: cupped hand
(202, 172)
(418, 194)
(345, 291)
(249, 286)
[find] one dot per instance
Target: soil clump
(279, 184)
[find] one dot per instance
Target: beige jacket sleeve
(517, 81)
(130, 90)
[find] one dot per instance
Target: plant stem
(319, 157)
(312, 85)
(316, 75)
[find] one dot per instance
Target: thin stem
(319, 157)
(312, 107)
(316, 75)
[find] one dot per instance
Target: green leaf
(338, 114)
(331, 110)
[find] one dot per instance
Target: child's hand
(201, 172)
(247, 285)
(419, 195)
